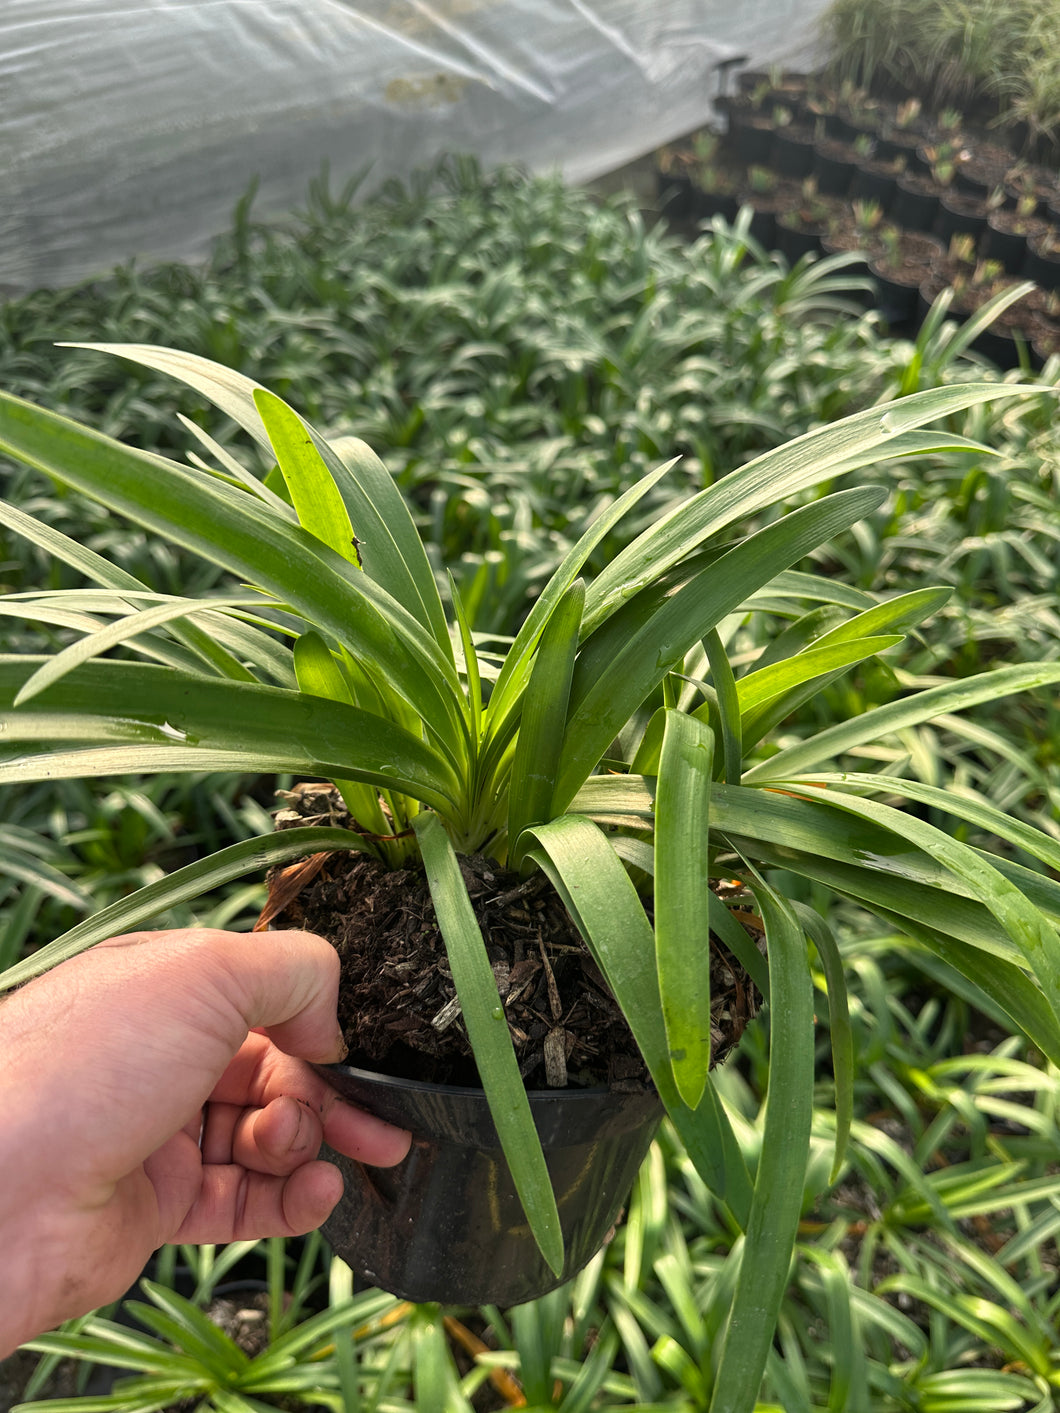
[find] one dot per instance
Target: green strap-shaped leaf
(778, 680)
(727, 705)
(316, 499)
(139, 707)
(98, 570)
(472, 667)
(233, 470)
(735, 936)
(537, 750)
(1036, 842)
(985, 1319)
(1036, 937)
(596, 888)
(841, 1031)
(491, 1040)
(231, 529)
(682, 898)
(778, 1191)
(913, 710)
(121, 631)
(21, 863)
(434, 1383)
(182, 886)
(176, 1320)
(506, 697)
(390, 545)
(870, 865)
(225, 632)
(895, 615)
(393, 552)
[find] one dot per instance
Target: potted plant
(791, 147)
(801, 226)
(915, 204)
(1008, 230)
(766, 194)
(951, 270)
(854, 231)
(688, 170)
(876, 178)
(902, 135)
(614, 747)
(901, 262)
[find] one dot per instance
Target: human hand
(157, 1090)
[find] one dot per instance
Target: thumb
(284, 984)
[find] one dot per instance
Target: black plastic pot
(791, 152)
(833, 169)
(794, 241)
(960, 214)
(897, 301)
(873, 185)
(913, 208)
(999, 346)
(1008, 246)
(749, 139)
(1044, 270)
(898, 280)
(675, 194)
(902, 145)
(446, 1224)
(839, 127)
(708, 204)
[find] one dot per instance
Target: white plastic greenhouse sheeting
(131, 127)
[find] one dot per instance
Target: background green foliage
(518, 354)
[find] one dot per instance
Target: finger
(276, 1139)
(236, 1205)
(175, 1174)
(259, 1074)
(218, 1131)
(362, 1136)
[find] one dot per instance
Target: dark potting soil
(397, 1002)
(912, 258)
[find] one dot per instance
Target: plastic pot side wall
(446, 1224)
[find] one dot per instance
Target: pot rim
(426, 1086)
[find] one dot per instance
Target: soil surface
(397, 1002)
